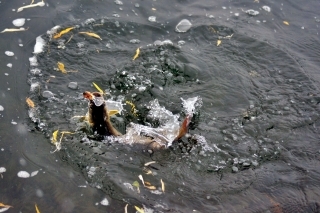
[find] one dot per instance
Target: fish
(99, 120)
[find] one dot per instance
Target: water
(252, 146)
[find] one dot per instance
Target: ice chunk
(23, 174)
(9, 53)
(104, 202)
(19, 22)
(266, 8)
(252, 12)
(183, 26)
(33, 61)
(152, 19)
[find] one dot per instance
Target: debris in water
(140, 210)
(73, 85)
(30, 103)
(91, 34)
(37, 209)
(34, 173)
(19, 22)
(137, 185)
(13, 29)
(47, 94)
(152, 19)
(104, 202)
(58, 35)
(151, 162)
(126, 209)
(133, 108)
(218, 42)
(39, 4)
(97, 87)
(61, 67)
(23, 174)
(4, 207)
(9, 53)
(1, 108)
(183, 26)
(141, 178)
(137, 54)
(162, 185)
(286, 23)
(266, 8)
(252, 12)
(9, 65)
(38, 47)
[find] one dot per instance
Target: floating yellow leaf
(91, 34)
(54, 136)
(137, 54)
(162, 185)
(218, 42)
(138, 209)
(5, 206)
(58, 35)
(61, 67)
(133, 108)
(113, 112)
(137, 185)
(151, 187)
(37, 210)
(126, 209)
(97, 87)
(30, 103)
(286, 23)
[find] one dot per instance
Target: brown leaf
(137, 54)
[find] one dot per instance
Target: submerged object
(99, 120)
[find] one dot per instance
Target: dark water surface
(253, 145)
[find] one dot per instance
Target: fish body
(99, 120)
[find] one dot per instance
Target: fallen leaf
(54, 136)
(162, 185)
(40, 4)
(151, 162)
(61, 67)
(30, 103)
(91, 34)
(138, 209)
(137, 54)
(151, 187)
(14, 29)
(126, 209)
(133, 108)
(286, 23)
(5, 206)
(153, 9)
(37, 210)
(218, 42)
(113, 112)
(97, 87)
(147, 183)
(58, 35)
(141, 178)
(147, 171)
(137, 185)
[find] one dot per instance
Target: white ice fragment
(236, 14)
(2, 170)
(183, 26)
(13, 122)
(19, 22)
(152, 19)
(20, 45)
(23, 174)
(33, 61)
(9, 53)
(34, 173)
(252, 12)
(38, 47)
(104, 202)
(9, 65)
(118, 2)
(266, 8)
(4, 209)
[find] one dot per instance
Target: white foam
(19, 22)
(53, 30)
(266, 8)
(33, 61)
(1, 108)
(34, 173)
(9, 65)
(38, 47)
